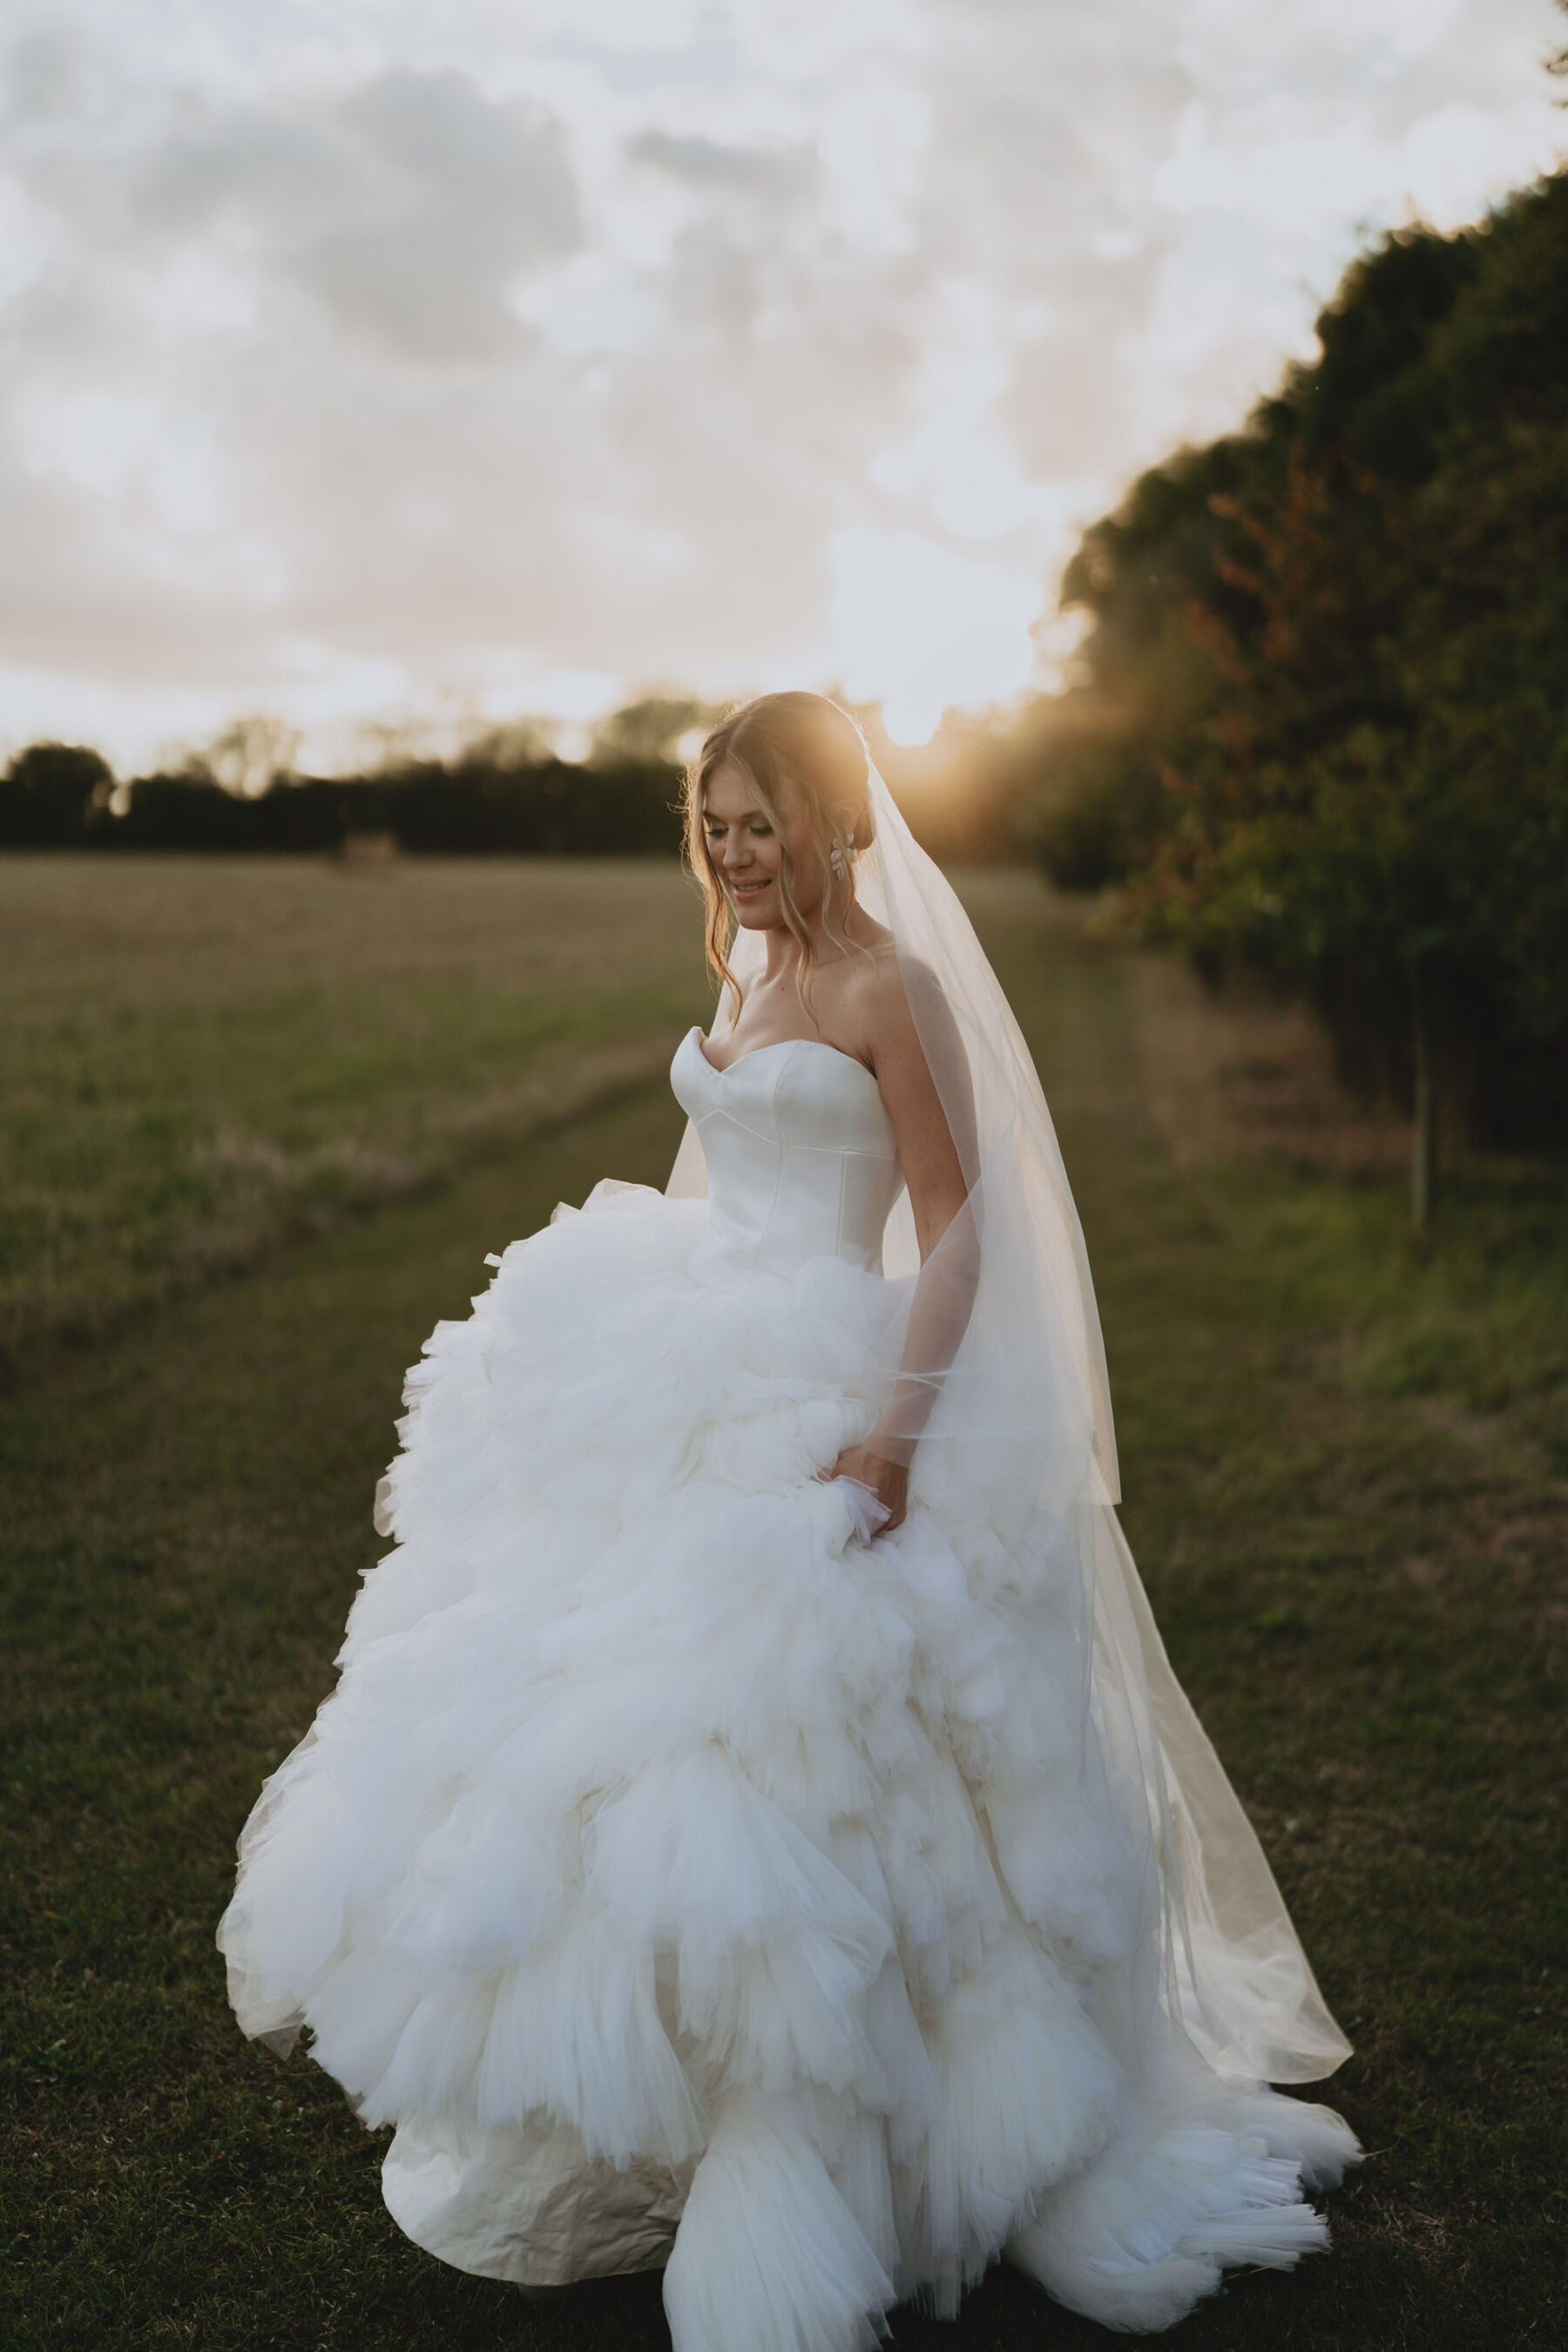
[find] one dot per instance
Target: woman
(756, 1830)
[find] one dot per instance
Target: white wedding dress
(692, 1881)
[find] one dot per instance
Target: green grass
(200, 1057)
(1345, 1476)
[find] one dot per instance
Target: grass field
(200, 1057)
(1347, 1477)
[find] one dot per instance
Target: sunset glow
(427, 368)
(922, 626)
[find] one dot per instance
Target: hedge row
(59, 796)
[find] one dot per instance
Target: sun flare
(922, 626)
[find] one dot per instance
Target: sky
(420, 364)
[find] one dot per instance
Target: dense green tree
(1339, 638)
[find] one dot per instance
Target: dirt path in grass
(1352, 1524)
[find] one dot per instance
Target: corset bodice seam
(764, 1119)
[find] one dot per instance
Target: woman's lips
(749, 889)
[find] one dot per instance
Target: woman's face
(747, 853)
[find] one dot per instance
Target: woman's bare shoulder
(904, 986)
(898, 995)
(889, 994)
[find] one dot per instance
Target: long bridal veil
(1015, 1427)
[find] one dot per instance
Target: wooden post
(1424, 1123)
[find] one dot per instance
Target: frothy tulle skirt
(691, 1881)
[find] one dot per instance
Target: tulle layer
(667, 1849)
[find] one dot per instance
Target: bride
(757, 1830)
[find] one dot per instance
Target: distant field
(1346, 1470)
(200, 1055)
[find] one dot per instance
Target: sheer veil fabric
(1003, 1368)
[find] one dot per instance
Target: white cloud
(925, 626)
(403, 360)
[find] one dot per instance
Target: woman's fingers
(889, 1481)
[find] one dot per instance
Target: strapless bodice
(802, 1162)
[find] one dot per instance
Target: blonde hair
(798, 752)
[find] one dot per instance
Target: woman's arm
(943, 1216)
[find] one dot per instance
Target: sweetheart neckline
(821, 1044)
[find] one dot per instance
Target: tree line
(1321, 726)
(506, 792)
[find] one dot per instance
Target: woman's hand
(889, 1481)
